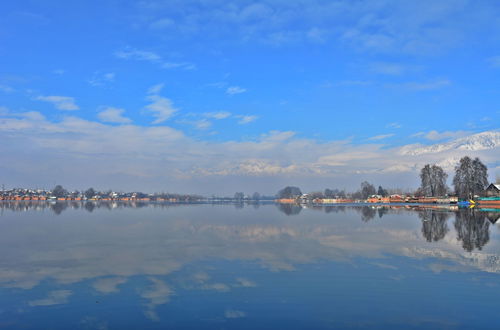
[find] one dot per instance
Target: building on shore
(493, 190)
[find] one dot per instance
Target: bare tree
(89, 193)
(367, 189)
(480, 176)
(382, 192)
(289, 192)
(471, 177)
(433, 180)
(59, 191)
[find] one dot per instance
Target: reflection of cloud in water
(108, 247)
(54, 298)
(245, 283)
(108, 285)
(158, 293)
(89, 322)
(234, 314)
(221, 287)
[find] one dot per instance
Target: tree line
(470, 179)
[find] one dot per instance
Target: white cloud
(380, 137)
(218, 115)
(393, 125)
(436, 136)
(156, 89)
(54, 298)
(113, 115)
(33, 115)
(6, 89)
(60, 102)
(152, 57)
(181, 65)
(139, 55)
(233, 90)
(246, 119)
(202, 124)
(161, 107)
(100, 79)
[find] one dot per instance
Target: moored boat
(489, 201)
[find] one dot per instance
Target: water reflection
(367, 213)
(473, 229)
(290, 209)
(164, 253)
(59, 206)
(471, 225)
(434, 224)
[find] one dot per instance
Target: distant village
(61, 194)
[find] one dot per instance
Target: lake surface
(113, 266)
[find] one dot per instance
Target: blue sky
(373, 74)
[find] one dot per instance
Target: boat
(488, 201)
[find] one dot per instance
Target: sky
(216, 96)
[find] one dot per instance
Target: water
(112, 266)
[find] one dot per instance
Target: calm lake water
(76, 266)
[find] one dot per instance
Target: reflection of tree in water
(434, 224)
(367, 213)
(89, 206)
(473, 229)
(290, 209)
(58, 207)
(382, 211)
(239, 205)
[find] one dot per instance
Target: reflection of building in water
(492, 215)
(472, 229)
(434, 224)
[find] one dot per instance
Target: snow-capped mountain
(479, 141)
